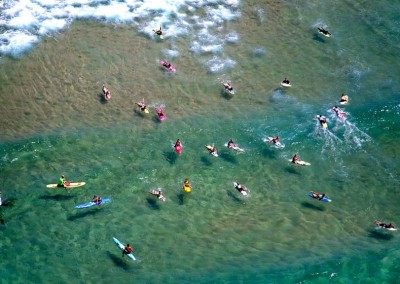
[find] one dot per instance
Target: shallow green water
(212, 235)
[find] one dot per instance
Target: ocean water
(55, 56)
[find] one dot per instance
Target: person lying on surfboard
(340, 113)
(324, 31)
(383, 225)
(158, 193)
(158, 32)
(322, 121)
(241, 188)
(213, 149)
(344, 99)
(317, 195)
(228, 86)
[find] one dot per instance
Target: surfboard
(324, 199)
(209, 148)
(91, 203)
(68, 184)
(235, 148)
(242, 192)
(301, 163)
(286, 85)
(187, 188)
(155, 193)
(121, 246)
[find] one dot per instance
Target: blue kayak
(325, 199)
(91, 203)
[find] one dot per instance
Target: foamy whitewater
(55, 58)
(25, 23)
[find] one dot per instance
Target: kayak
(325, 199)
(277, 144)
(301, 163)
(160, 114)
(286, 85)
(187, 188)
(235, 148)
(242, 189)
(209, 148)
(91, 203)
(155, 193)
(68, 184)
(171, 68)
(122, 247)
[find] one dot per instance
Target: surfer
(157, 193)
(142, 106)
(383, 225)
(241, 188)
(127, 250)
(317, 195)
(61, 183)
(178, 143)
(324, 31)
(322, 121)
(158, 32)
(286, 81)
(213, 150)
(167, 65)
(97, 199)
(231, 144)
(228, 87)
(344, 99)
(106, 92)
(275, 140)
(187, 187)
(340, 113)
(295, 159)
(160, 112)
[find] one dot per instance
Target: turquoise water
(213, 235)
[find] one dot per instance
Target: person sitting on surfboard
(383, 225)
(167, 65)
(340, 113)
(96, 199)
(322, 121)
(178, 143)
(344, 99)
(106, 92)
(275, 139)
(61, 183)
(324, 31)
(295, 159)
(127, 250)
(286, 81)
(158, 32)
(231, 144)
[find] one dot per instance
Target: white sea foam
(26, 21)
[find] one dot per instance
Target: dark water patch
(229, 157)
(170, 156)
(206, 161)
(9, 202)
(57, 197)
(234, 196)
(119, 261)
(84, 214)
(153, 203)
(309, 205)
(293, 170)
(380, 235)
